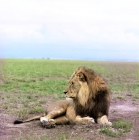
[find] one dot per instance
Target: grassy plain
(25, 83)
(50, 76)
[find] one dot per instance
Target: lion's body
(90, 97)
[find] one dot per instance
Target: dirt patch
(126, 108)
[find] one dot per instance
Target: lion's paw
(89, 119)
(43, 119)
(104, 121)
(109, 124)
(47, 123)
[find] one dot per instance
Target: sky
(70, 29)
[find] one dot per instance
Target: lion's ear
(81, 77)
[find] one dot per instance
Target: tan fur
(90, 97)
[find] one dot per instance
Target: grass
(59, 137)
(111, 132)
(23, 114)
(50, 76)
(119, 127)
(123, 124)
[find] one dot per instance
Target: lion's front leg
(104, 121)
(80, 119)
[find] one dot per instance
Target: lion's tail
(30, 119)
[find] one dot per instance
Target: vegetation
(123, 124)
(111, 132)
(119, 127)
(50, 76)
(60, 137)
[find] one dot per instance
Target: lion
(89, 100)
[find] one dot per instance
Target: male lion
(89, 101)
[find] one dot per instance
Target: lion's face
(73, 88)
(78, 88)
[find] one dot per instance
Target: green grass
(111, 132)
(50, 76)
(21, 75)
(125, 125)
(23, 114)
(60, 137)
(119, 127)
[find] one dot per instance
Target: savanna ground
(28, 85)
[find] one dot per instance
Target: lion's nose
(65, 91)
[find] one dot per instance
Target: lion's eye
(72, 83)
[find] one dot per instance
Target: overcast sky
(70, 29)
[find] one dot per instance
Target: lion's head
(84, 85)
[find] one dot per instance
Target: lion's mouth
(70, 97)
